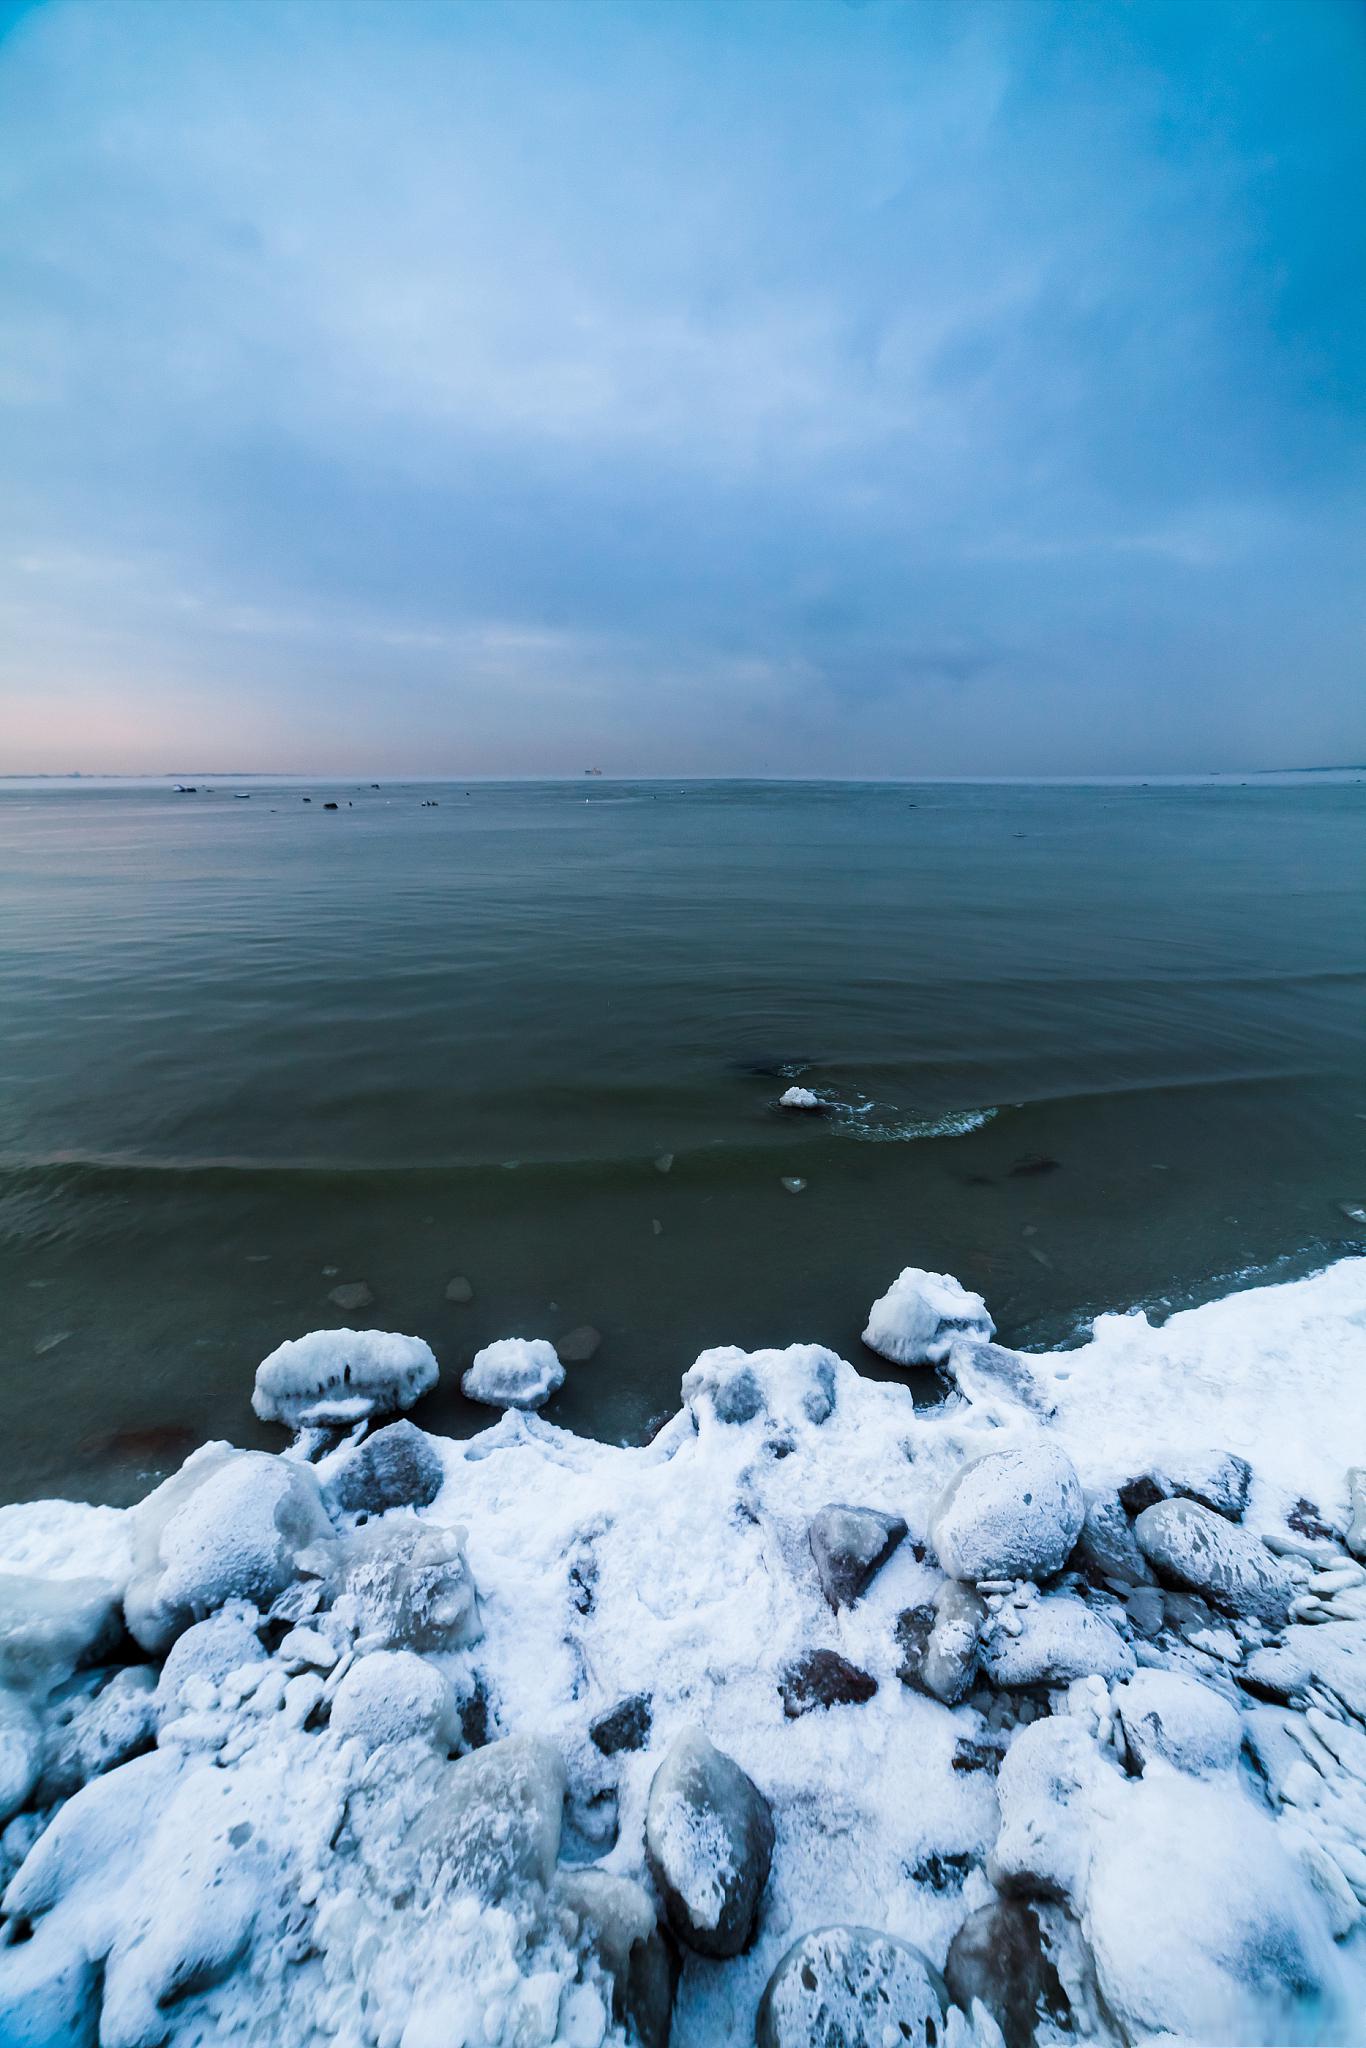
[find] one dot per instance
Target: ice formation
(821, 1717)
(514, 1372)
(342, 1376)
(922, 1316)
(799, 1098)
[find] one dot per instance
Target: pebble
(793, 1184)
(459, 1289)
(664, 1163)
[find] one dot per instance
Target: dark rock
(651, 1982)
(1146, 1609)
(1304, 1518)
(822, 1678)
(1195, 1548)
(329, 807)
(738, 1399)
(625, 1726)
(969, 1756)
(939, 1642)
(1137, 1494)
(397, 1467)
(850, 1545)
(914, 1626)
(709, 1845)
(1000, 1956)
(1032, 1165)
(1107, 1549)
(941, 1870)
(851, 1987)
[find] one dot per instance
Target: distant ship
(592, 771)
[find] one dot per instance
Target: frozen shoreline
(1194, 1882)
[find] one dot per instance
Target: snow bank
(493, 1743)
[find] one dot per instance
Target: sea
(1088, 1046)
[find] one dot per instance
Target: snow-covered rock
(850, 1546)
(791, 1390)
(93, 1729)
(21, 1753)
(1053, 1642)
(492, 1822)
(1194, 1547)
(1002, 1956)
(709, 1841)
(799, 1098)
(939, 1642)
(1356, 1510)
(514, 1372)
(404, 1585)
(393, 1696)
(922, 1315)
(1107, 1548)
(852, 1987)
(1171, 1716)
(1012, 1513)
(1051, 1785)
(50, 1627)
(397, 1467)
(342, 1376)
(204, 1656)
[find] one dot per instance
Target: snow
(922, 1315)
(799, 1098)
(302, 1857)
(342, 1376)
(514, 1372)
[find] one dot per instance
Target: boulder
(207, 1651)
(795, 1389)
(1217, 1479)
(1047, 1788)
(822, 1678)
(394, 1696)
(1053, 1642)
(21, 1753)
(850, 1545)
(1107, 1549)
(1000, 1957)
(405, 1585)
(341, 1377)
(491, 1824)
(52, 1627)
(1196, 1548)
(709, 1844)
(922, 1315)
(616, 1921)
(625, 1726)
(397, 1467)
(852, 1987)
(96, 1730)
(1010, 1514)
(1167, 1715)
(514, 1372)
(988, 1373)
(939, 1653)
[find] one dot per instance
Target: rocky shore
(823, 1718)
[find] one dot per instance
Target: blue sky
(683, 386)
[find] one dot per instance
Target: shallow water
(254, 1050)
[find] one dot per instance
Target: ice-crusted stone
(822, 1678)
(230, 1525)
(989, 1373)
(1199, 1549)
(1332, 1655)
(1010, 1514)
(514, 1372)
(709, 1844)
(492, 1825)
(922, 1315)
(21, 1753)
(939, 1643)
(207, 1651)
(398, 1467)
(850, 1546)
(851, 1987)
(95, 1730)
(1356, 1511)
(800, 1098)
(392, 1696)
(1000, 1957)
(1203, 1926)
(1217, 1479)
(616, 1921)
(103, 1821)
(1173, 1717)
(405, 1585)
(342, 1376)
(1047, 1786)
(52, 1627)
(792, 1389)
(1107, 1548)
(1054, 1642)
(49, 1993)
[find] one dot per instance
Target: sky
(788, 387)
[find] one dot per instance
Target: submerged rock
(577, 1346)
(939, 1642)
(1000, 1957)
(851, 1545)
(352, 1294)
(1199, 1549)
(341, 1377)
(1010, 1514)
(397, 1467)
(459, 1290)
(852, 1987)
(1165, 1714)
(709, 1844)
(820, 1679)
(1053, 1642)
(514, 1372)
(922, 1315)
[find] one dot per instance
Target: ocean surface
(1085, 1046)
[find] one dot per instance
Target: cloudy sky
(682, 386)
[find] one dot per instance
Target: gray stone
(577, 1346)
(616, 1920)
(52, 1627)
(406, 1585)
(1058, 1640)
(709, 1844)
(852, 1987)
(1174, 1718)
(1218, 1480)
(96, 1730)
(1146, 1610)
(397, 1467)
(820, 1679)
(626, 1726)
(1199, 1549)
(1010, 1514)
(1001, 1958)
(1356, 1506)
(492, 1823)
(939, 1654)
(850, 1545)
(1107, 1549)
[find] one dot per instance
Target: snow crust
(355, 1799)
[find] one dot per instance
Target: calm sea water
(1089, 1046)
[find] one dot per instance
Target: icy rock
(1047, 1786)
(208, 1651)
(626, 1726)
(617, 1922)
(792, 1389)
(342, 1376)
(1107, 1548)
(514, 1372)
(1333, 1656)
(1146, 1610)
(49, 1993)
(1218, 1480)
(94, 1733)
(393, 1696)
(939, 1653)
(1168, 1715)
(492, 1825)
(102, 1822)
(1010, 1514)
(1356, 1510)
(822, 1678)
(1203, 1926)
(851, 1987)
(397, 1467)
(21, 1753)
(1000, 1957)
(922, 1315)
(799, 1098)
(709, 1844)
(988, 1372)
(228, 1526)
(52, 1627)
(850, 1546)
(1059, 1640)
(405, 1586)
(1201, 1550)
